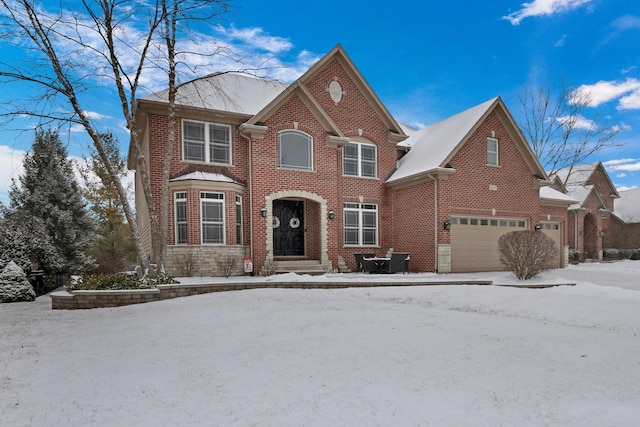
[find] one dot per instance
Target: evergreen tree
(113, 246)
(49, 192)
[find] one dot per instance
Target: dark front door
(288, 227)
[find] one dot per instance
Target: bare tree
(114, 41)
(558, 132)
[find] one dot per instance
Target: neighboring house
(316, 171)
(590, 218)
(624, 229)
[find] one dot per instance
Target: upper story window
(206, 142)
(492, 151)
(212, 218)
(359, 159)
(295, 150)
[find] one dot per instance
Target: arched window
(295, 150)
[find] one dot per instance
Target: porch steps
(311, 267)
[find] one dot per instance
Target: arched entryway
(296, 226)
(590, 227)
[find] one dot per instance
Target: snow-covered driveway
(434, 355)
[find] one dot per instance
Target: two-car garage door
(474, 241)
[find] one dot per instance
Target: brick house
(624, 228)
(590, 218)
(316, 171)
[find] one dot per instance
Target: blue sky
(430, 60)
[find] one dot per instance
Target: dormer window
(492, 151)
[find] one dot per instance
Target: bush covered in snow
(616, 254)
(115, 282)
(14, 285)
(526, 253)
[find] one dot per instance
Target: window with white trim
(295, 150)
(206, 142)
(492, 151)
(212, 218)
(180, 210)
(239, 220)
(360, 224)
(359, 159)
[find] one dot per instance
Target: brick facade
(409, 217)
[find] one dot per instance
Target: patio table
(381, 264)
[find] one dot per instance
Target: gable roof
(228, 92)
(627, 207)
(300, 87)
(581, 194)
(432, 147)
(581, 174)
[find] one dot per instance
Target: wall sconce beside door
(331, 214)
(263, 212)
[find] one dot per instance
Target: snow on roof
(430, 146)
(203, 176)
(578, 174)
(579, 193)
(235, 93)
(549, 193)
(627, 207)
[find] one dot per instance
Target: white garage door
(474, 241)
(554, 230)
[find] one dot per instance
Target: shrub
(269, 268)
(526, 253)
(624, 253)
(227, 264)
(574, 256)
(114, 282)
(187, 263)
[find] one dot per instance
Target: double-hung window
(206, 142)
(360, 224)
(359, 159)
(239, 220)
(212, 218)
(492, 151)
(180, 209)
(295, 150)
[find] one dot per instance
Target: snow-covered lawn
(392, 356)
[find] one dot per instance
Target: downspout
(435, 218)
(250, 183)
(575, 231)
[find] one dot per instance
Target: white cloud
(627, 91)
(561, 41)
(10, 167)
(257, 38)
(623, 165)
(577, 122)
(544, 7)
(626, 187)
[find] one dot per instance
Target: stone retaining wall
(96, 299)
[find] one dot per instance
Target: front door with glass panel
(288, 228)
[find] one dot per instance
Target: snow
(431, 145)
(425, 355)
(203, 176)
(234, 93)
(548, 193)
(627, 207)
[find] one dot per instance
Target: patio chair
(369, 265)
(399, 263)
